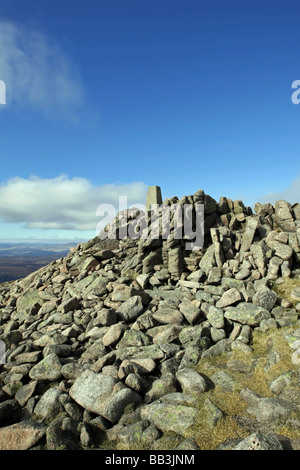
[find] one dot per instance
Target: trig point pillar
(153, 196)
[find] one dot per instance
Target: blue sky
(106, 98)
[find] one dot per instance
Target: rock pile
(102, 346)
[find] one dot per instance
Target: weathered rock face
(102, 345)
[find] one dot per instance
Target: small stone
(215, 317)
(265, 298)
(223, 380)
(130, 309)
(166, 315)
(142, 280)
(160, 387)
(191, 312)
(25, 392)
(295, 293)
(214, 414)
(69, 305)
(191, 381)
(229, 297)
(114, 333)
(48, 368)
(280, 383)
(49, 405)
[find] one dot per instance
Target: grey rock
(223, 380)
(132, 433)
(265, 298)
(130, 309)
(191, 357)
(215, 274)
(285, 252)
(48, 368)
(295, 293)
(247, 314)
(178, 398)
(25, 392)
(166, 315)
(112, 407)
(71, 370)
(167, 334)
(281, 382)
(190, 311)
(266, 409)
(212, 412)
(273, 267)
(21, 436)
(176, 418)
(243, 273)
(154, 258)
(142, 280)
(175, 262)
(153, 351)
(133, 338)
(283, 216)
(208, 261)
(49, 405)
(259, 441)
(216, 349)
(90, 390)
(62, 434)
(229, 297)
(215, 317)
(248, 234)
(259, 255)
(217, 334)
(114, 333)
(106, 317)
(160, 387)
(69, 305)
(191, 382)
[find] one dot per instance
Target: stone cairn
(102, 346)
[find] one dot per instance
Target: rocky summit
(141, 343)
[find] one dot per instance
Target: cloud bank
(62, 203)
(290, 194)
(37, 72)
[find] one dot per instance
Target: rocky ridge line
(102, 346)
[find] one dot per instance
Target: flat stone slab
(176, 418)
(21, 436)
(247, 314)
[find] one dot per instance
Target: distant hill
(18, 260)
(33, 250)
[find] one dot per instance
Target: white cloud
(62, 203)
(37, 72)
(290, 194)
